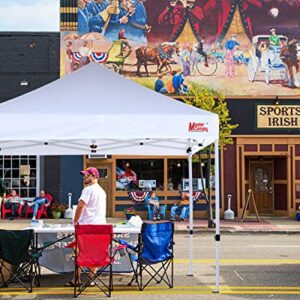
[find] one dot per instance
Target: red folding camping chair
(5, 210)
(93, 249)
(42, 211)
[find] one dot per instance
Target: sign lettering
(278, 116)
(197, 127)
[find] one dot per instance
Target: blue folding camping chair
(153, 255)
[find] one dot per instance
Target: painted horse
(290, 56)
(162, 56)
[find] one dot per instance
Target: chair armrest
(128, 245)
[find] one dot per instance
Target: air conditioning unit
(98, 156)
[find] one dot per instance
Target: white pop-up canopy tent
(95, 110)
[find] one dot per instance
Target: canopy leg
(190, 167)
(217, 208)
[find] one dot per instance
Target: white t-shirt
(95, 199)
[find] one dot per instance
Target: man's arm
(80, 207)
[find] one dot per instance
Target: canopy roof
(96, 106)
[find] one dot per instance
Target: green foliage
(213, 101)
(129, 210)
(58, 207)
(145, 81)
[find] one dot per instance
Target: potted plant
(57, 210)
(129, 212)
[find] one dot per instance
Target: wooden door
(105, 172)
(261, 183)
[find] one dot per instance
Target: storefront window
(19, 173)
(261, 180)
(139, 174)
(177, 171)
(178, 175)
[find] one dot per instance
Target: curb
(237, 232)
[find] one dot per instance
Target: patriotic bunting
(76, 56)
(98, 57)
(196, 194)
(138, 196)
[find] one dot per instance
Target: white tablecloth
(68, 228)
(59, 259)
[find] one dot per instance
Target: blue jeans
(37, 204)
(155, 210)
(178, 210)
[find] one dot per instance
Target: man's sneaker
(154, 218)
(158, 218)
(33, 218)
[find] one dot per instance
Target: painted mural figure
(132, 17)
(201, 51)
(125, 47)
(95, 10)
(179, 85)
(229, 58)
(137, 27)
(83, 17)
(84, 52)
(69, 66)
(177, 13)
(290, 57)
(115, 21)
(95, 15)
(159, 85)
(274, 38)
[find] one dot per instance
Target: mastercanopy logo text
(197, 127)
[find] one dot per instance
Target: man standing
(91, 208)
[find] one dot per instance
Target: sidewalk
(276, 225)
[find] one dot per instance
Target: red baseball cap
(91, 170)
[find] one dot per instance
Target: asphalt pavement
(258, 261)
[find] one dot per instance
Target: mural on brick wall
(240, 47)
